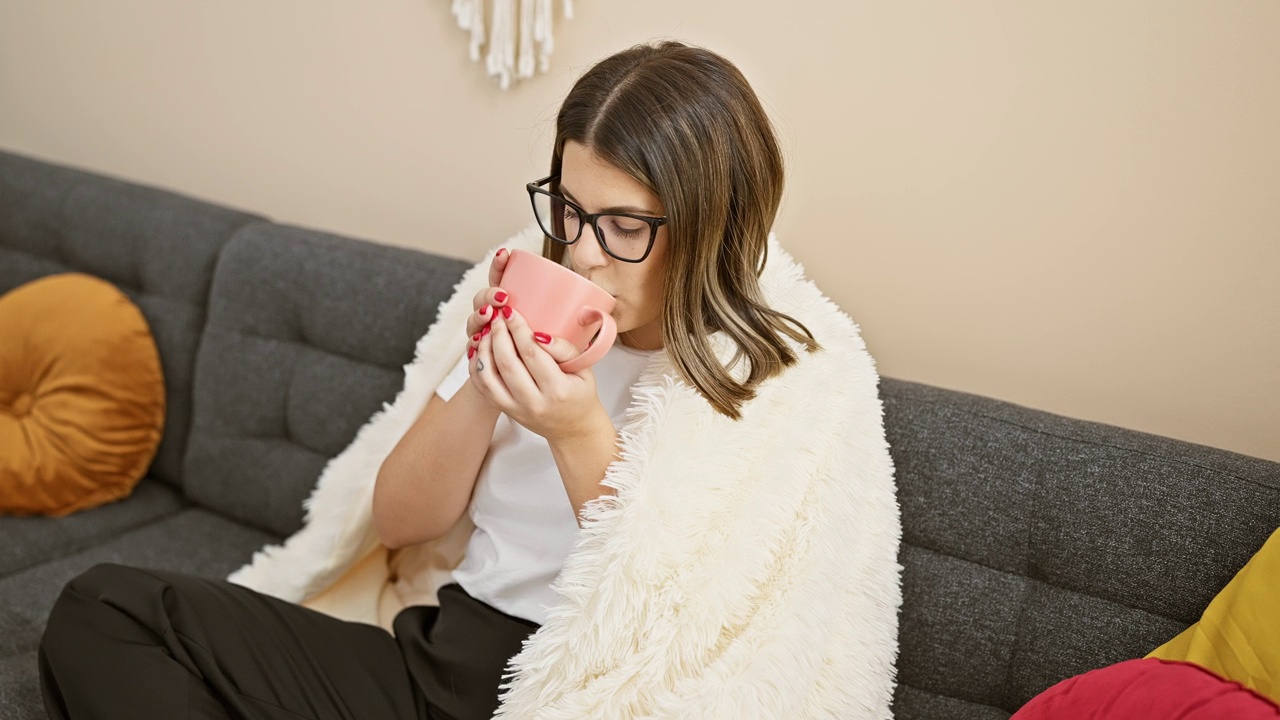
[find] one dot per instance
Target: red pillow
(1148, 688)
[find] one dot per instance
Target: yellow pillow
(81, 395)
(1238, 636)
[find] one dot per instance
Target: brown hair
(684, 123)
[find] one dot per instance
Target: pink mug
(556, 300)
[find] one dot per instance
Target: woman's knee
(99, 580)
(77, 613)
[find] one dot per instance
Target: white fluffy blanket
(744, 569)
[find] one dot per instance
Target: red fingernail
(476, 337)
(484, 331)
(500, 296)
(484, 311)
(543, 338)
(471, 352)
(506, 312)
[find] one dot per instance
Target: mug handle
(604, 340)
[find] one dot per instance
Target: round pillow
(1148, 689)
(81, 395)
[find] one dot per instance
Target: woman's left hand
(518, 372)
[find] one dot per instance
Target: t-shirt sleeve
(454, 381)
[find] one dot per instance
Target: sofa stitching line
(310, 346)
(919, 689)
(60, 219)
(265, 439)
(98, 539)
(1025, 603)
(1046, 583)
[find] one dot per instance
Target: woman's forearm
(582, 459)
(425, 483)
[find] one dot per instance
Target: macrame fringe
(519, 31)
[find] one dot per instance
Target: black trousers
(124, 642)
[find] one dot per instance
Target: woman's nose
(587, 252)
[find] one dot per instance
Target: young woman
(700, 525)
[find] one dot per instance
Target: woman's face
(596, 186)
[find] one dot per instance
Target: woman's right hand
(486, 303)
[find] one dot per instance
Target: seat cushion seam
(1046, 583)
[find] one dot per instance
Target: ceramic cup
(555, 300)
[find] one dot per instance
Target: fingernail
(543, 338)
(476, 337)
(500, 296)
(484, 311)
(502, 251)
(471, 352)
(484, 331)
(506, 312)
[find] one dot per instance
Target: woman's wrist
(583, 456)
(586, 430)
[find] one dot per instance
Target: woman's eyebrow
(634, 209)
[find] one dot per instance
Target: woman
(701, 525)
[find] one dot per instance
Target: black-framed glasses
(624, 236)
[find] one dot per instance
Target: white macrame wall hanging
(510, 54)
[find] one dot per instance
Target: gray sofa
(1035, 546)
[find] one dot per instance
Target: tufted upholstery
(308, 335)
(158, 247)
(1037, 547)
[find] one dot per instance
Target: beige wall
(1071, 205)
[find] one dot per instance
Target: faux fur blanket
(744, 569)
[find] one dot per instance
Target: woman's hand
(487, 303)
(517, 370)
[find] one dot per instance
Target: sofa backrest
(1037, 547)
(307, 337)
(156, 246)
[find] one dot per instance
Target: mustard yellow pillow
(81, 395)
(1238, 636)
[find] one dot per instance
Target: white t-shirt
(525, 525)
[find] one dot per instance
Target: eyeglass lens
(625, 237)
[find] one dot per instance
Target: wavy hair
(684, 122)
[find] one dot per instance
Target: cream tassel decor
(518, 30)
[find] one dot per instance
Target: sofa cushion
(81, 395)
(20, 688)
(308, 336)
(31, 541)
(193, 541)
(156, 246)
(1037, 547)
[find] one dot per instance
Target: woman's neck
(642, 339)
